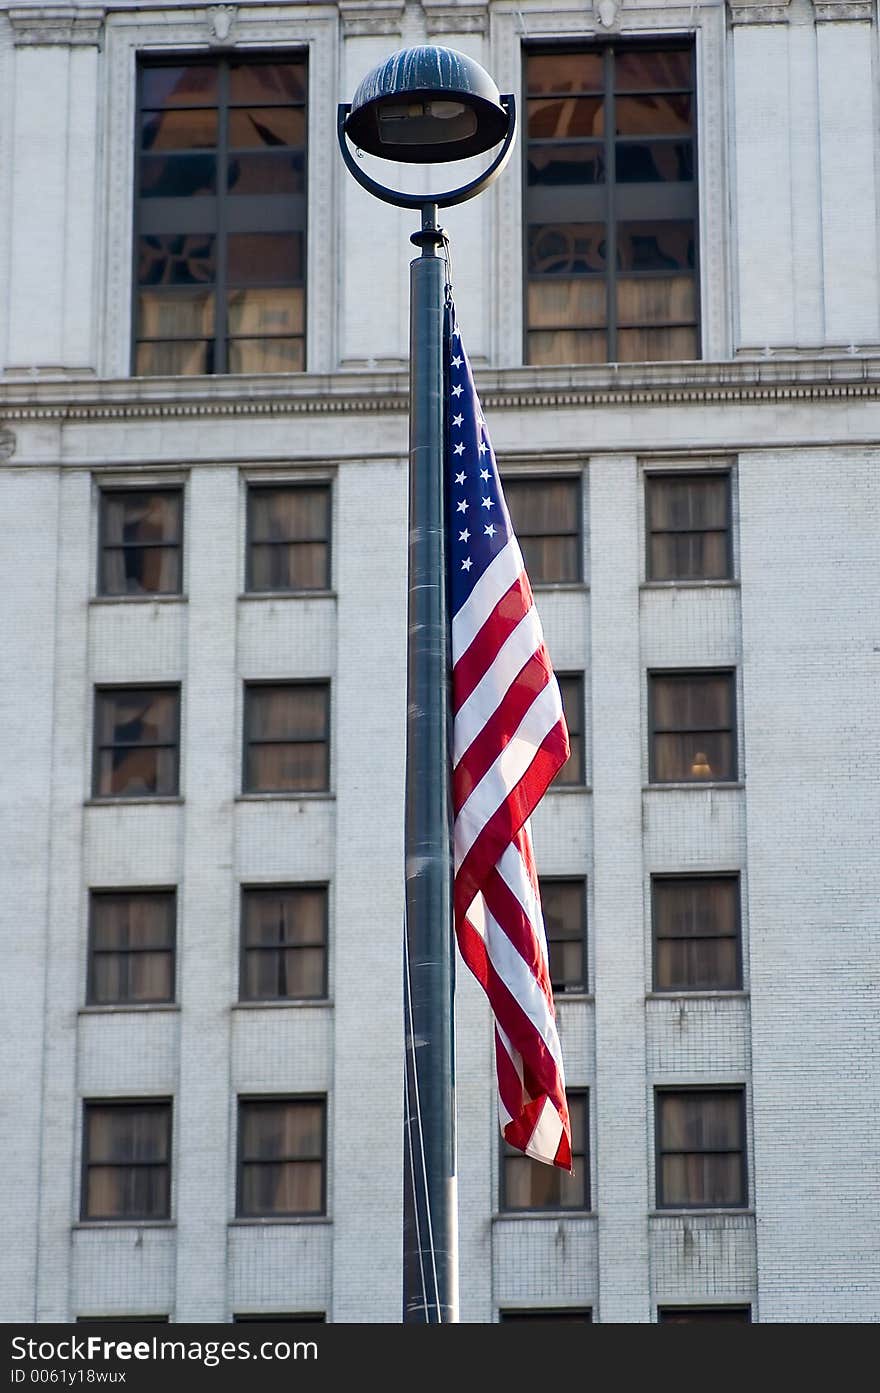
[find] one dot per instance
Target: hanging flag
(509, 741)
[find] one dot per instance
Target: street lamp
(428, 105)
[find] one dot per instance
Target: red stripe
(539, 1066)
(501, 726)
(508, 818)
(507, 912)
(477, 658)
(509, 1084)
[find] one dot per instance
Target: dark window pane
(693, 737)
(558, 165)
(653, 162)
(659, 300)
(655, 246)
(131, 956)
(266, 355)
(178, 176)
(284, 935)
(265, 258)
(546, 518)
(254, 127)
(572, 691)
(176, 259)
(565, 118)
(688, 523)
(179, 130)
(140, 552)
(701, 1148)
(696, 929)
(564, 72)
(642, 70)
(275, 172)
(136, 741)
(567, 346)
(264, 83)
(256, 313)
(564, 249)
(581, 1317)
(287, 740)
(289, 530)
(714, 1315)
(654, 114)
(281, 1168)
(656, 345)
(564, 909)
(176, 314)
(176, 359)
(179, 86)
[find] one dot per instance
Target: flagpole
(430, 1222)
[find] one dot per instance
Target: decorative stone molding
(370, 16)
(607, 14)
(826, 11)
(758, 11)
(50, 25)
(7, 443)
(741, 382)
(221, 19)
(456, 16)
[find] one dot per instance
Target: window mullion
(220, 291)
(611, 209)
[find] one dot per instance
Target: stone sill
(664, 788)
(689, 585)
(545, 1215)
(275, 595)
(138, 599)
(306, 1004)
(161, 798)
(127, 1008)
(91, 1225)
(681, 997)
(289, 1220)
(285, 797)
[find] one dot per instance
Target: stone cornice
(371, 16)
(456, 16)
(68, 25)
(758, 11)
(826, 11)
(742, 382)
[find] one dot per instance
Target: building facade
(672, 303)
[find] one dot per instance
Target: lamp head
(426, 105)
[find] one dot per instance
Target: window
(714, 1315)
(127, 1160)
(281, 1318)
(696, 933)
(137, 736)
(546, 517)
(701, 1148)
(131, 947)
(693, 735)
(611, 204)
(564, 905)
(580, 1317)
(571, 689)
(284, 943)
(528, 1184)
(289, 537)
(688, 518)
(122, 1320)
(282, 1149)
(287, 737)
(221, 215)
(141, 533)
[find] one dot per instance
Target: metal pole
(430, 1264)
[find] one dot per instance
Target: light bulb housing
(426, 105)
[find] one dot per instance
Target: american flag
(509, 740)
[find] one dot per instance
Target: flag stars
(488, 503)
(457, 390)
(459, 448)
(460, 478)
(456, 362)
(464, 536)
(484, 475)
(466, 564)
(482, 447)
(461, 507)
(489, 529)
(457, 420)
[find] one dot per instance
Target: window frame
(663, 674)
(507, 1210)
(219, 228)
(610, 217)
(244, 948)
(103, 688)
(253, 486)
(106, 491)
(690, 876)
(536, 479)
(147, 1102)
(666, 1315)
(655, 474)
(576, 1315)
(96, 893)
(252, 685)
(667, 1090)
(579, 676)
(580, 882)
(242, 1100)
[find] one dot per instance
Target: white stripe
(523, 987)
(514, 872)
(489, 692)
(515, 1058)
(510, 766)
(495, 581)
(544, 1141)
